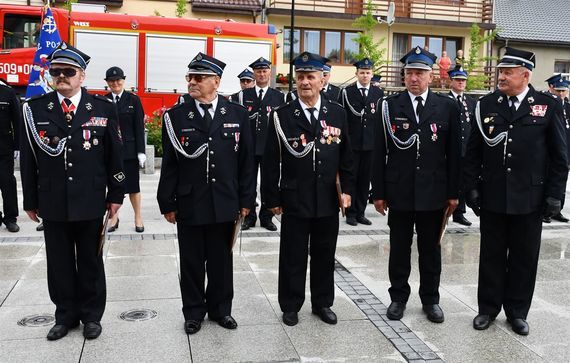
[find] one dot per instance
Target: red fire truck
(154, 51)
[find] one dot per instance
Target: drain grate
(37, 320)
(138, 315)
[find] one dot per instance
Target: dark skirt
(131, 168)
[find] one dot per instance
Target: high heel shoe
(139, 229)
(115, 227)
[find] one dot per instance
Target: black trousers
(428, 225)
(508, 261)
(76, 275)
(265, 214)
(460, 210)
(299, 238)
(363, 171)
(8, 189)
(205, 249)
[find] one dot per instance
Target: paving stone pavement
(143, 320)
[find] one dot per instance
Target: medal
(433, 128)
(405, 125)
(86, 145)
(95, 141)
(322, 140)
(491, 129)
(55, 140)
(295, 144)
(303, 140)
(86, 137)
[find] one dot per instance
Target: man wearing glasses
(71, 166)
(207, 180)
(246, 81)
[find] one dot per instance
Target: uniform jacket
(418, 182)
(566, 123)
(361, 129)
(259, 113)
(9, 120)
(215, 194)
(77, 184)
(516, 180)
(304, 187)
(467, 116)
(131, 122)
(332, 92)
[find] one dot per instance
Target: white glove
(142, 159)
(16, 154)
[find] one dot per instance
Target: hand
(244, 212)
(451, 205)
(276, 211)
(33, 214)
(16, 154)
(142, 159)
(346, 200)
(381, 206)
(170, 217)
(552, 207)
(113, 209)
(473, 201)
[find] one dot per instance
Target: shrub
(154, 126)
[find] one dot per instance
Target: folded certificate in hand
(235, 231)
(339, 194)
(103, 235)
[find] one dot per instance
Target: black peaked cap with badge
(246, 74)
(114, 73)
(517, 58)
(260, 63)
(204, 64)
(67, 54)
(364, 63)
(418, 58)
(308, 62)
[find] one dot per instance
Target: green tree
(475, 63)
(365, 38)
(181, 8)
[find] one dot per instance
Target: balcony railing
(469, 11)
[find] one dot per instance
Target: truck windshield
(20, 31)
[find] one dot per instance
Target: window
(562, 66)
(339, 46)
(20, 31)
(436, 45)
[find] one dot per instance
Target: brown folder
(103, 235)
(235, 231)
(339, 195)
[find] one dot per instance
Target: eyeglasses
(197, 77)
(67, 72)
(245, 80)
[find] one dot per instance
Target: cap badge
(198, 57)
(64, 46)
(305, 58)
(366, 62)
(418, 50)
(260, 59)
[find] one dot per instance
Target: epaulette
(487, 95)
(175, 106)
(393, 95)
(37, 97)
(237, 104)
(283, 105)
(334, 102)
(548, 94)
(102, 98)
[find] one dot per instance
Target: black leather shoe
(92, 330)
(326, 315)
(482, 321)
(546, 219)
(363, 220)
(57, 332)
(351, 221)
(270, 226)
(226, 322)
(560, 218)
(139, 229)
(247, 224)
(519, 326)
(114, 228)
(434, 313)
(396, 310)
(12, 226)
(461, 220)
(40, 227)
(291, 318)
(192, 326)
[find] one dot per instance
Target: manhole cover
(138, 315)
(37, 320)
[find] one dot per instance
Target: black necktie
(420, 106)
(363, 91)
(206, 107)
(260, 97)
(459, 100)
(117, 99)
(312, 115)
(513, 99)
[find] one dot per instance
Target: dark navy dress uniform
(513, 180)
(417, 182)
(10, 119)
(362, 124)
(131, 121)
(304, 186)
(207, 177)
(258, 115)
(332, 92)
(71, 191)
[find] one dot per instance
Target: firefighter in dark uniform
(466, 105)
(131, 122)
(259, 101)
(416, 178)
(330, 91)
(246, 80)
(10, 119)
(375, 80)
(559, 86)
(360, 101)
(205, 183)
(307, 147)
(515, 172)
(71, 167)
